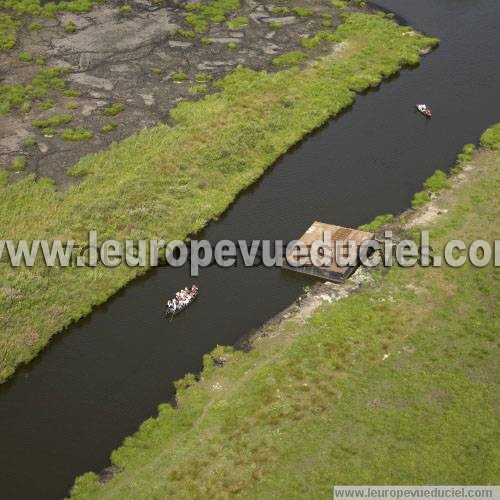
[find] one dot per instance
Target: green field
(169, 182)
(396, 384)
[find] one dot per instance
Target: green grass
(303, 11)
(214, 10)
(71, 93)
(193, 170)
(53, 121)
(25, 57)
(200, 88)
(232, 45)
(113, 109)
(109, 127)
(4, 176)
(48, 132)
(13, 96)
(198, 22)
(49, 9)
(46, 105)
(280, 9)
(8, 28)
(35, 26)
(396, 384)
(76, 135)
(339, 4)
(19, 164)
(292, 58)
(237, 23)
(179, 77)
(203, 77)
(125, 9)
(186, 34)
(70, 27)
(311, 42)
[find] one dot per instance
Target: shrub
(303, 11)
(179, 77)
(19, 164)
(237, 22)
(41, 61)
(326, 23)
(72, 105)
(109, 127)
(289, 58)
(70, 27)
(437, 182)
(114, 109)
(466, 153)
(491, 138)
(469, 149)
(30, 142)
(77, 134)
(26, 107)
(25, 57)
(53, 121)
(420, 199)
(339, 4)
(377, 223)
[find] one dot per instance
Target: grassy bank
(396, 384)
(168, 182)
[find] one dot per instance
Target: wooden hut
(339, 238)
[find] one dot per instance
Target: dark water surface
(64, 413)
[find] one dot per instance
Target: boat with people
(425, 110)
(182, 299)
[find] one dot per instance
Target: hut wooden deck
(338, 234)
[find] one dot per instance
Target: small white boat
(181, 301)
(425, 110)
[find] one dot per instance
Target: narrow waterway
(63, 413)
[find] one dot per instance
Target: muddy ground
(114, 57)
